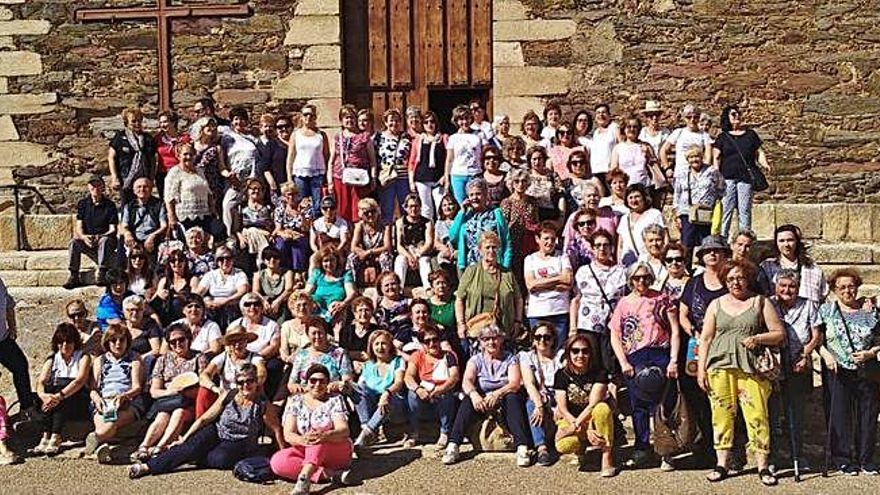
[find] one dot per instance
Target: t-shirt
(468, 153)
(228, 368)
(799, 322)
(577, 387)
(600, 147)
(336, 361)
(547, 372)
(433, 370)
(641, 322)
(317, 419)
(97, 217)
(222, 285)
(492, 374)
(593, 311)
(351, 341)
(683, 138)
(373, 381)
(209, 332)
(335, 231)
(697, 298)
(656, 141)
(733, 150)
(547, 302)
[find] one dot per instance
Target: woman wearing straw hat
(219, 374)
(652, 133)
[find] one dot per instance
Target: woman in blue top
(475, 218)
(331, 287)
(110, 305)
(377, 393)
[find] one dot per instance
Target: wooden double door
(430, 53)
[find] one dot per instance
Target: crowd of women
(469, 280)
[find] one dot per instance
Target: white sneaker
(666, 466)
(104, 453)
(91, 444)
(442, 441)
(302, 486)
(451, 454)
(523, 456)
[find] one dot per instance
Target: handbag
(480, 321)
(758, 179)
(698, 214)
(766, 360)
(353, 176)
(254, 470)
(674, 430)
(868, 370)
(490, 435)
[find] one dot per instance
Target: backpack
(675, 429)
(254, 470)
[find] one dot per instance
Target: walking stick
(795, 452)
(827, 392)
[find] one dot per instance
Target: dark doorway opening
(443, 101)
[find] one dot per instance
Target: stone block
(322, 57)
(7, 233)
(234, 97)
(509, 10)
(516, 106)
(507, 54)
(5, 14)
(24, 27)
(20, 63)
(310, 84)
(4, 85)
(858, 226)
(533, 30)
(8, 132)
(20, 278)
(48, 231)
(313, 30)
(852, 253)
(328, 112)
(15, 154)
(763, 220)
(531, 81)
(834, 221)
(317, 7)
(27, 104)
(12, 262)
(807, 217)
(53, 260)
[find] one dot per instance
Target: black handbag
(167, 404)
(758, 179)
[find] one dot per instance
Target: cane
(826, 390)
(795, 452)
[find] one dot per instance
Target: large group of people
(315, 288)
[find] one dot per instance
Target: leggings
(329, 458)
(72, 408)
(206, 449)
(459, 185)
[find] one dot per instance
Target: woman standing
(630, 243)
(521, 212)
(415, 241)
(166, 140)
(501, 125)
(560, 153)
(531, 131)
(371, 252)
(735, 327)
(604, 216)
(676, 261)
(476, 218)
(291, 233)
(131, 155)
(738, 151)
(548, 278)
(188, 197)
(851, 332)
(274, 284)
(644, 336)
(209, 159)
(307, 156)
(392, 152)
(538, 367)
(580, 178)
(240, 147)
(463, 154)
(605, 136)
(546, 186)
(655, 237)
(791, 253)
(653, 133)
(353, 151)
(583, 128)
(494, 176)
(633, 156)
(700, 189)
(427, 165)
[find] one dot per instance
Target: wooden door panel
(378, 43)
(401, 47)
(481, 42)
(432, 44)
(457, 42)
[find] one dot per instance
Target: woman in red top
(432, 377)
(351, 148)
(167, 139)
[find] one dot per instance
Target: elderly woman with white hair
(475, 218)
(521, 212)
(644, 335)
(680, 140)
(146, 335)
(492, 382)
(268, 342)
(694, 197)
(198, 254)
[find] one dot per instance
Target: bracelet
(61, 393)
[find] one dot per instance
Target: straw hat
(237, 334)
(652, 106)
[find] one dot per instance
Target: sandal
(718, 473)
(138, 470)
(767, 477)
(140, 455)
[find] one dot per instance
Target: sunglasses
(601, 245)
(137, 257)
(251, 304)
(543, 337)
(272, 257)
(430, 340)
(283, 126)
(318, 381)
(221, 259)
(326, 208)
(631, 127)
(177, 341)
(307, 114)
(117, 340)
(577, 162)
(563, 132)
(587, 223)
(78, 314)
(475, 108)
(245, 382)
(580, 351)
(674, 259)
(641, 278)
(489, 157)
(194, 306)
(429, 121)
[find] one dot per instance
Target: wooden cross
(163, 12)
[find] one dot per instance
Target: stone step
(40, 260)
(42, 278)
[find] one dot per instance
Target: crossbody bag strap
(852, 346)
(741, 156)
(599, 285)
(632, 238)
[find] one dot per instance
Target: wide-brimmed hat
(237, 334)
(712, 242)
(652, 106)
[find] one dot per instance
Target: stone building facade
(807, 74)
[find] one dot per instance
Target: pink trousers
(4, 420)
(328, 457)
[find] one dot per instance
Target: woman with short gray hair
(475, 218)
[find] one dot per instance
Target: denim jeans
(547, 428)
(367, 407)
(643, 409)
(394, 192)
(737, 195)
(443, 408)
(311, 186)
(560, 323)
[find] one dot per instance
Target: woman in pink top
(565, 146)
(644, 336)
(605, 216)
(351, 149)
(633, 156)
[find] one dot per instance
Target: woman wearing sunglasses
(495, 176)
(538, 367)
(255, 321)
(316, 426)
(141, 279)
(432, 376)
(352, 149)
(560, 153)
(88, 329)
(173, 288)
(206, 335)
(223, 288)
(583, 414)
(275, 284)
(676, 261)
(224, 435)
(371, 245)
(634, 156)
(644, 336)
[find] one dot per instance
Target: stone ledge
(313, 30)
(27, 103)
(531, 81)
(507, 54)
(533, 30)
(310, 84)
(24, 27)
(20, 63)
(319, 57)
(509, 10)
(317, 7)
(16, 154)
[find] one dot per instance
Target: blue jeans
(311, 186)
(367, 407)
(459, 186)
(737, 195)
(443, 408)
(560, 323)
(540, 433)
(692, 235)
(643, 409)
(393, 192)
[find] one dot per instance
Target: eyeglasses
(326, 208)
(245, 382)
(413, 205)
(489, 339)
(318, 381)
(735, 279)
(630, 127)
(430, 340)
(601, 245)
(177, 341)
(543, 337)
(255, 189)
(577, 162)
(251, 304)
(193, 306)
(307, 114)
(137, 257)
(641, 278)
(221, 259)
(367, 212)
(489, 157)
(563, 132)
(847, 287)
(586, 223)
(78, 314)
(580, 351)
(691, 116)
(283, 126)
(674, 259)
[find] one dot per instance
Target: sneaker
(8, 458)
(639, 459)
(849, 469)
(52, 447)
(608, 472)
(450, 456)
(73, 281)
(666, 465)
(342, 478)
(364, 439)
(104, 454)
(442, 440)
(870, 469)
(302, 486)
(523, 457)
(91, 444)
(544, 458)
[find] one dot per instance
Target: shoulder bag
(698, 214)
(868, 370)
(767, 361)
(674, 430)
(759, 180)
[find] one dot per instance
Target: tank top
(239, 422)
(414, 232)
(431, 166)
(726, 351)
(632, 160)
(63, 371)
(271, 288)
(116, 374)
(309, 160)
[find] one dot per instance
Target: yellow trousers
(727, 387)
(601, 422)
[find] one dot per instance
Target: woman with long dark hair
(791, 253)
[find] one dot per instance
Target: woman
(531, 131)
(514, 152)
(578, 247)
(699, 189)
(219, 375)
(166, 141)
(257, 221)
(354, 337)
(141, 279)
(653, 133)
(131, 155)
(174, 287)
(605, 136)
(316, 426)
(492, 382)
(415, 241)
(109, 307)
(617, 182)
(275, 284)
(331, 288)
(198, 254)
(432, 376)
(353, 151)
(552, 117)
(545, 186)
(737, 152)
(676, 261)
(225, 434)
(307, 156)
(254, 320)
(644, 336)
(320, 351)
(548, 277)
(223, 287)
(654, 237)
(463, 154)
(486, 287)
(209, 159)
(494, 176)
(634, 156)
(188, 197)
(791, 253)
(447, 253)
(560, 153)
(206, 335)
(392, 152)
(442, 301)
(365, 121)
(427, 162)
(174, 406)
(291, 232)
(378, 391)
(240, 148)
(851, 331)
(475, 218)
(145, 333)
(420, 315)
(630, 243)
(584, 416)
(680, 140)
(115, 391)
(538, 367)
(371, 248)
(393, 307)
(294, 334)
(61, 387)
(583, 128)
(736, 326)
(501, 126)
(89, 332)
(580, 179)
(413, 114)
(605, 217)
